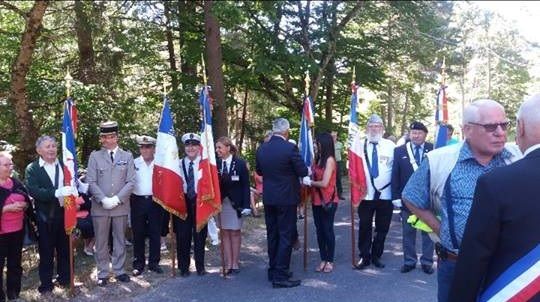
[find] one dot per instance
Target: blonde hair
(228, 143)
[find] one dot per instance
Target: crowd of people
(474, 208)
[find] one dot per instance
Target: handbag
(31, 234)
(327, 205)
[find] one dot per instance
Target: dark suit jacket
(281, 166)
(237, 191)
(42, 190)
(502, 227)
(402, 168)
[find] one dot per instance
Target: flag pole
(221, 251)
(68, 80)
(353, 237)
(306, 80)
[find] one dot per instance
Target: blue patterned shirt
(462, 185)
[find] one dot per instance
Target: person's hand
(108, 203)
(116, 200)
(397, 203)
(246, 212)
(74, 192)
(63, 191)
(306, 181)
(82, 187)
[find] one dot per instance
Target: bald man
(500, 253)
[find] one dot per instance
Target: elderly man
(500, 251)
(407, 158)
(377, 157)
(444, 183)
(111, 177)
(280, 165)
(146, 215)
(45, 182)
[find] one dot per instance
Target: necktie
(417, 154)
(224, 170)
(191, 182)
(374, 162)
(112, 156)
(56, 176)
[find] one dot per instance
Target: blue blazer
(281, 166)
(237, 191)
(402, 168)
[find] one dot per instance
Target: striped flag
(441, 118)
(305, 143)
(69, 158)
(167, 184)
(357, 176)
(208, 193)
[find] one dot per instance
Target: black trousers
(280, 233)
(185, 233)
(52, 238)
(382, 210)
(10, 254)
(324, 225)
(146, 220)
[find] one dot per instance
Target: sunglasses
(492, 127)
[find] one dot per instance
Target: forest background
(257, 54)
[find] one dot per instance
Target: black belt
(444, 254)
(143, 196)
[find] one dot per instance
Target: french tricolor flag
(208, 193)
(520, 282)
(357, 177)
(306, 138)
(69, 158)
(167, 184)
(441, 118)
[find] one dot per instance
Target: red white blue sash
(520, 282)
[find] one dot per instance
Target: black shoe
(156, 269)
(102, 282)
(286, 283)
(123, 278)
(428, 269)
(184, 273)
(377, 263)
(201, 272)
(407, 268)
(235, 271)
(137, 272)
(271, 277)
(362, 264)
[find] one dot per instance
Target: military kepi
(191, 138)
(145, 140)
(108, 127)
(418, 126)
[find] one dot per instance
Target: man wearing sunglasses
(441, 190)
(500, 248)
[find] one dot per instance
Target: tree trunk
(405, 116)
(170, 47)
(87, 64)
(243, 122)
(329, 92)
(215, 73)
(17, 93)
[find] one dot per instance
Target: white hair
(280, 125)
(472, 112)
(44, 138)
(5, 154)
(529, 112)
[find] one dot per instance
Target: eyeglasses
(492, 127)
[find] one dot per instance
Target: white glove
(116, 200)
(397, 203)
(246, 212)
(306, 181)
(83, 187)
(74, 192)
(108, 203)
(63, 192)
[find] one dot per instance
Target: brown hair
(228, 143)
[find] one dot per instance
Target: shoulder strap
(377, 191)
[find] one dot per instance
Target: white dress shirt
(385, 154)
(143, 177)
(196, 172)
(51, 171)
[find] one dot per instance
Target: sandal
(321, 267)
(328, 268)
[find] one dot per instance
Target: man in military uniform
(146, 215)
(111, 177)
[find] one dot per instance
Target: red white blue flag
(167, 184)
(69, 158)
(357, 176)
(441, 118)
(208, 193)
(520, 282)
(305, 143)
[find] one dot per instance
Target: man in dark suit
(501, 242)
(407, 158)
(281, 166)
(45, 182)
